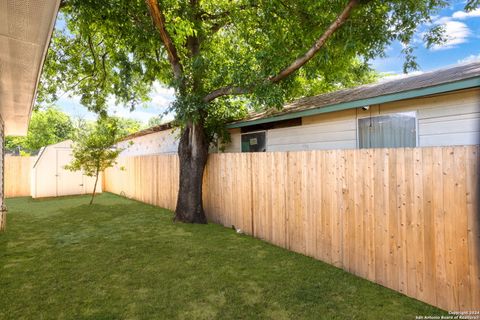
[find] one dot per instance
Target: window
(254, 142)
(388, 131)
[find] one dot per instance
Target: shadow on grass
(123, 259)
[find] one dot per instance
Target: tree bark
(159, 21)
(193, 154)
(94, 187)
(3, 220)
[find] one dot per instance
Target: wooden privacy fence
(17, 176)
(407, 219)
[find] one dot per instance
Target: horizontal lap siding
(404, 218)
(451, 139)
(461, 129)
(235, 144)
(447, 119)
(331, 135)
(449, 125)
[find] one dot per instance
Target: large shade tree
(222, 57)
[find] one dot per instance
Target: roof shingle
(424, 80)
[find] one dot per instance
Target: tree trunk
(94, 187)
(193, 154)
(3, 219)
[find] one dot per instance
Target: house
(26, 27)
(436, 108)
(160, 139)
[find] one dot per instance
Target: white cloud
(456, 32)
(465, 15)
(124, 112)
(385, 64)
(471, 58)
(389, 76)
(442, 20)
(73, 107)
(161, 98)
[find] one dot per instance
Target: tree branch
(92, 51)
(295, 65)
(299, 62)
(217, 26)
(159, 22)
(226, 91)
(193, 41)
(205, 16)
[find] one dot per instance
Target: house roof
(161, 127)
(405, 87)
(26, 27)
(429, 83)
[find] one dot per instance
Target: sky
(161, 97)
(462, 46)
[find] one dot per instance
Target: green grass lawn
(121, 259)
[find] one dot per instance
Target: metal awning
(25, 30)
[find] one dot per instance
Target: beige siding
(235, 144)
(323, 135)
(330, 117)
(438, 105)
(155, 143)
(446, 119)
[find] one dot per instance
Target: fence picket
(405, 218)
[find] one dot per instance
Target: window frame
(251, 132)
(378, 114)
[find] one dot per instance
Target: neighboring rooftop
(434, 82)
(418, 85)
(144, 132)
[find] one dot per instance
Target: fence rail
(407, 219)
(17, 176)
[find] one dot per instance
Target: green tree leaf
(95, 149)
(46, 127)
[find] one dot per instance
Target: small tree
(94, 149)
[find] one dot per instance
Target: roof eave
(415, 93)
(27, 44)
(44, 57)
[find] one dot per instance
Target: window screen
(253, 142)
(388, 131)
